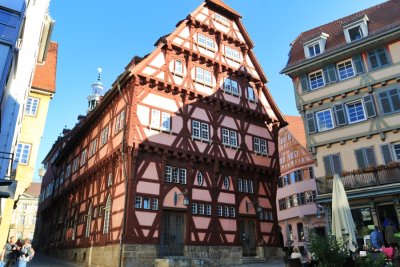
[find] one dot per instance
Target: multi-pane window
(396, 150)
(88, 221)
(220, 214)
(250, 94)
(199, 178)
(194, 208)
(107, 215)
(333, 164)
(154, 204)
(378, 58)
(175, 175)
(226, 183)
(22, 154)
(104, 135)
(316, 80)
(119, 121)
(324, 120)
(345, 69)
(240, 185)
(68, 171)
(226, 211)
(75, 164)
(201, 209)
(314, 49)
(232, 212)
(245, 186)
(390, 101)
(146, 203)
(205, 41)
(200, 130)
(208, 209)
(160, 120)
(31, 106)
(220, 18)
(365, 157)
(229, 137)
(138, 202)
(83, 157)
(355, 111)
(260, 145)
(298, 175)
(203, 76)
(178, 66)
(232, 53)
(109, 179)
(93, 147)
(355, 33)
(231, 86)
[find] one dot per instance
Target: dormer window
(315, 46)
(356, 30)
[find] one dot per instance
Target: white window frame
(203, 76)
(363, 27)
(104, 135)
(168, 174)
(251, 96)
(226, 183)
(260, 145)
(232, 53)
(165, 121)
(348, 113)
(32, 106)
(344, 62)
(200, 130)
(182, 176)
(194, 208)
(232, 212)
(208, 209)
(83, 157)
(146, 203)
(318, 122)
(119, 121)
(322, 76)
(313, 46)
(21, 155)
(220, 212)
(231, 87)
(107, 215)
(223, 20)
(160, 120)
(177, 69)
(155, 121)
(229, 137)
(207, 41)
(138, 202)
(240, 185)
(109, 179)
(226, 211)
(201, 209)
(93, 147)
(154, 204)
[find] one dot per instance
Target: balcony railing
(355, 181)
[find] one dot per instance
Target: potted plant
(327, 250)
(371, 260)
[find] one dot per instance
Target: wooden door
(248, 237)
(172, 237)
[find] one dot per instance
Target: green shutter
(311, 123)
(330, 73)
(360, 158)
(336, 163)
(328, 165)
(358, 64)
(340, 114)
(304, 83)
(395, 97)
(369, 106)
(385, 103)
(370, 156)
(386, 153)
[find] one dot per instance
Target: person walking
(10, 252)
(26, 253)
(376, 238)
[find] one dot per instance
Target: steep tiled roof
(296, 127)
(34, 189)
(221, 4)
(45, 74)
(382, 17)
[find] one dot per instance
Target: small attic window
(315, 46)
(356, 30)
(221, 18)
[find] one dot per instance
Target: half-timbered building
(179, 158)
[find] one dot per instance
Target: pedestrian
(10, 252)
(376, 238)
(26, 253)
(390, 230)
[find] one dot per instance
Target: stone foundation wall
(214, 255)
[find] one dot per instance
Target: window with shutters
(229, 137)
(396, 150)
(390, 152)
(378, 58)
(231, 87)
(31, 106)
(355, 111)
(200, 130)
(333, 164)
(389, 101)
(365, 157)
(369, 105)
(324, 120)
(203, 76)
(345, 69)
(340, 114)
(310, 123)
(316, 79)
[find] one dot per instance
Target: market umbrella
(342, 221)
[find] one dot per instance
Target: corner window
(355, 111)
(324, 120)
(316, 79)
(345, 69)
(314, 49)
(231, 86)
(378, 58)
(31, 106)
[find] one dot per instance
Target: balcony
(369, 180)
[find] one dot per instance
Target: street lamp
(41, 172)
(185, 199)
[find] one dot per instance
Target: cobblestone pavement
(41, 260)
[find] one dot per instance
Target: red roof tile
(34, 189)
(381, 17)
(296, 127)
(45, 74)
(224, 6)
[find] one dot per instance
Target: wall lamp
(185, 199)
(259, 209)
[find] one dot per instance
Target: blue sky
(109, 33)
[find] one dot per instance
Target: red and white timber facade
(179, 158)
